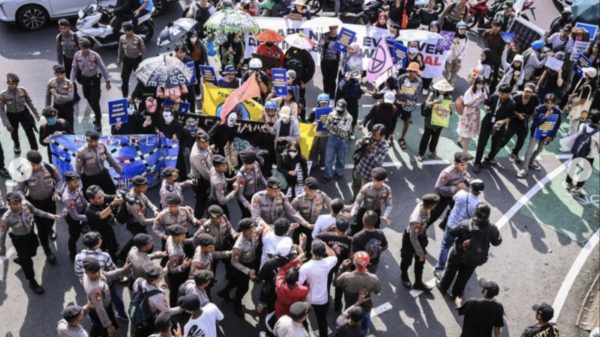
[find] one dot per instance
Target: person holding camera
(100, 214)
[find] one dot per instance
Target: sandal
(402, 143)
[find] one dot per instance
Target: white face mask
(292, 154)
(231, 120)
(413, 50)
(168, 117)
(193, 39)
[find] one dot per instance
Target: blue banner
(508, 37)
(546, 127)
(117, 111)
(190, 65)
(582, 62)
(592, 29)
(208, 74)
(398, 51)
(143, 155)
(279, 77)
(319, 112)
(344, 39)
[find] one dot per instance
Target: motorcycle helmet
(322, 98)
(255, 64)
(537, 45)
(270, 105)
(461, 24)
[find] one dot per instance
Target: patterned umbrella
(299, 41)
(232, 21)
(321, 24)
(175, 32)
(269, 35)
(163, 71)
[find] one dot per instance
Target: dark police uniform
(90, 165)
(74, 209)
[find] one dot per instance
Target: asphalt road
(530, 265)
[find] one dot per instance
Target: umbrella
(417, 35)
(175, 31)
(586, 11)
(321, 24)
(163, 71)
(269, 35)
(232, 21)
(299, 41)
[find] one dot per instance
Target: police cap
(273, 182)
(169, 171)
(299, 310)
(460, 157)
(34, 157)
(71, 175)
(91, 264)
(14, 197)
(176, 230)
(218, 160)
(311, 183)
(92, 191)
(141, 239)
(379, 173)
(248, 156)
(127, 26)
(91, 239)
(173, 200)
(71, 312)
(152, 271)
(246, 224)
(430, 199)
(215, 211)
(59, 69)
(204, 239)
(139, 181)
(92, 134)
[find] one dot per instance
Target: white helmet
(255, 63)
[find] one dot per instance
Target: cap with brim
(141, 239)
(300, 2)
(229, 70)
(71, 312)
(311, 183)
(299, 310)
(71, 175)
(430, 198)
(379, 173)
(491, 287)
(85, 43)
(590, 71)
(59, 69)
(284, 112)
(215, 211)
(14, 197)
(219, 160)
(173, 200)
(204, 240)
(92, 134)
(274, 183)
(248, 156)
(443, 85)
(189, 302)
(139, 181)
(153, 271)
(545, 310)
(90, 264)
(413, 66)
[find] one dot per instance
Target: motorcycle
(94, 23)
(482, 16)
(439, 6)
(370, 11)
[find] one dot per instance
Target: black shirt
(499, 110)
(527, 109)
(92, 212)
(371, 242)
(348, 330)
(481, 316)
(340, 245)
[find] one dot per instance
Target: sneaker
(577, 191)
(489, 162)
(432, 155)
(522, 174)
(513, 157)
(419, 158)
(4, 172)
(17, 150)
(339, 177)
(406, 282)
(17, 260)
(327, 179)
(535, 167)
(98, 127)
(438, 284)
(438, 273)
(421, 286)
(567, 186)
(36, 287)
(51, 258)
(477, 168)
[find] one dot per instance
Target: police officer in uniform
(53, 127)
(15, 104)
(374, 195)
(90, 164)
(174, 214)
(42, 191)
(19, 220)
(100, 214)
(200, 165)
(87, 67)
(171, 187)
(131, 49)
(60, 94)
(218, 184)
(66, 45)
(250, 180)
(451, 180)
(74, 209)
(310, 204)
(272, 204)
(219, 227)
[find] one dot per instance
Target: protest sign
(554, 63)
(546, 128)
(381, 61)
(446, 41)
(344, 39)
(440, 113)
(582, 62)
(433, 58)
(579, 47)
(208, 74)
(322, 112)
(279, 77)
(525, 32)
(190, 65)
(592, 29)
(117, 111)
(398, 52)
(214, 97)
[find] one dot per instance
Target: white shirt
(206, 324)
(270, 241)
(323, 222)
(315, 273)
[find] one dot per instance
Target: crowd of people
(291, 239)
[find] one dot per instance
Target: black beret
(152, 271)
(91, 264)
(92, 134)
(34, 157)
(176, 230)
(142, 239)
(59, 68)
(14, 197)
(204, 239)
(273, 182)
(91, 239)
(218, 160)
(189, 302)
(173, 200)
(201, 276)
(299, 310)
(71, 175)
(71, 312)
(379, 173)
(460, 157)
(430, 198)
(311, 183)
(245, 224)
(139, 181)
(215, 211)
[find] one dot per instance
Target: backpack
(583, 144)
(360, 151)
(139, 311)
(476, 248)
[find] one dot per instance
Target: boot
(36, 287)
(405, 280)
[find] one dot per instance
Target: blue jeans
(336, 150)
(117, 301)
(447, 242)
(365, 325)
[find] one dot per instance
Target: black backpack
(476, 248)
(583, 144)
(142, 319)
(122, 213)
(360, 150)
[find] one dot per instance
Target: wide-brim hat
(443, 85)
(299, 2)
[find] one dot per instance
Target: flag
(382, 61)
(249, 89)
(214, 97)
(307, 135)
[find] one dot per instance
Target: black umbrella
(163, 71)
(175, 32)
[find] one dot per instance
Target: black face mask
(269, 44)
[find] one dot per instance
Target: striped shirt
(105, 261)
(556, 42)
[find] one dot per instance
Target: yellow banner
(440, 113)
(307, 136)
(213, 98)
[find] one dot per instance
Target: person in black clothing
(566, 18)
(288, 163)
(135, 122)
(100, 213)
(400, 9)
(151, 118)
(231, 52)
(352, 328)
(171, 128)
(330, 60)
(340, 243)
(483, 317)
(53, 127)
(385, 113)
(543, 328)
(525, 104)
(303, 64)
(229, 80)
(199, 11)
(123, 11)
(428, 16)
(370, 240)
(500, 108)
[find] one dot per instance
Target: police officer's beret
(202, 135)
(91, 239)
(189, 302)
(91, 264)
(34, 157)
(173, 200)
(71, 175)
(92, 191)
(430, 198)
(58, 68)
(299, 310)
(49, 111)
(72, 311)
(201, 276)
(273, 182)
(162, 321)
(84, 43)
(127, 26)
(169, 171)
(139, 181)
(204, 239)
(311, 183)
(218, 160)
(141, 239)
(176, 230)
(152, 271)
(281, 226)
(10, 77)
(248, 156)
(379, 173)
(92, 134)
(14, 197)
(215, 211)
(460, 157)
(245, 224)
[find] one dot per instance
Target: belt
(17, 112)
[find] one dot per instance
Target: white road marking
(435, 162)
(367, 105)
(378, 310)
(564, 156)
(565, 287)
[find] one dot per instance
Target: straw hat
(443, 86)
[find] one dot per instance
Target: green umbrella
(232, 21)
(587, 11)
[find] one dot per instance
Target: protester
(483, 317)
(434, 102)
(543, 314)
(468, 126)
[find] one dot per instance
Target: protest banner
(440, 113)
(582, 62)
(117, 111)
(546, 128)
(433, 58)
(579, 47)
(446, 41)
(525, 32)
(381, 62)
(143, 155)
(214, 97)
(208, 74)
(279, 77)
(322, 112)
(398, 52)
(344, 39)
